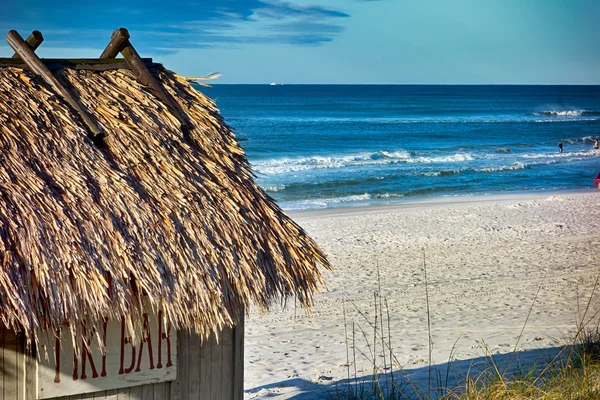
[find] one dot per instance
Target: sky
(332, 41)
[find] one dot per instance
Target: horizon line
(410, 84)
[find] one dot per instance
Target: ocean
(319, 146)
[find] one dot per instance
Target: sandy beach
(486, 258)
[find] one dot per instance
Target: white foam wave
(459, 157)
(574, 155)
(513, 167)
(287, 165)
(324, 203)
(547, 121)
(273, 188)
(395, 154)
(584, 140)
(389, 196)
(563, 113)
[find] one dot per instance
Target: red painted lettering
(103, 373)
(124, 341)
(146, 338)
(163, 336)
(75, 365)
(57, 358)
(86, 355)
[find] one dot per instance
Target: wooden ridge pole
(93, 64)
(33, 40)
(118, 40)
(37, 66)
(119, 43)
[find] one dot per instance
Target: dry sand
(486, 259)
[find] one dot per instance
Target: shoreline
(433, 202)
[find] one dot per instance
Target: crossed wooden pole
(119, 43)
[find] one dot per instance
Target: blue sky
(333, 41)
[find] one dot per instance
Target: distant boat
(272, 84)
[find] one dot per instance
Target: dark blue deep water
(314, 146)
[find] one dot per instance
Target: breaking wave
(568, 113)
(273, 188)
(324, 203)
(287, 165)
(389, 196)
(512, 167)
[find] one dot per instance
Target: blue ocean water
(315, 146)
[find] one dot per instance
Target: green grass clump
(577, 377)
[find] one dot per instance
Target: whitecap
(324, 203)
(459, 157)
(389, 195)
(512, 167)
(286, 165)
(273, 188)
(563, 113)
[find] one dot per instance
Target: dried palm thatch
(89, 231)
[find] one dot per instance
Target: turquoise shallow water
(316, 146)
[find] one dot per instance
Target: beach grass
(574, 375)
(572, 372)
(577, 376)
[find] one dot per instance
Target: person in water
(560, 146)
(595, 144)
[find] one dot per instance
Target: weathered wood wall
(17, 370)
(205, 371)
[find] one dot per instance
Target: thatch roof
(88, 231)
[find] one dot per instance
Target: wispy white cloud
(176, 24)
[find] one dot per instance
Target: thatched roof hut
(125, 202)
(91, 226)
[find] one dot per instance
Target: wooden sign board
(62, 371)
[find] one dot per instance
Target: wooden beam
(24, 51)
(146, 77)
(100, 67)
(34, 40)
(77, 63)
(71, 61)
(118, 41)
(90, 67)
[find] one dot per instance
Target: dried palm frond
(198, 80)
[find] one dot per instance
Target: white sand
(486, 258)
